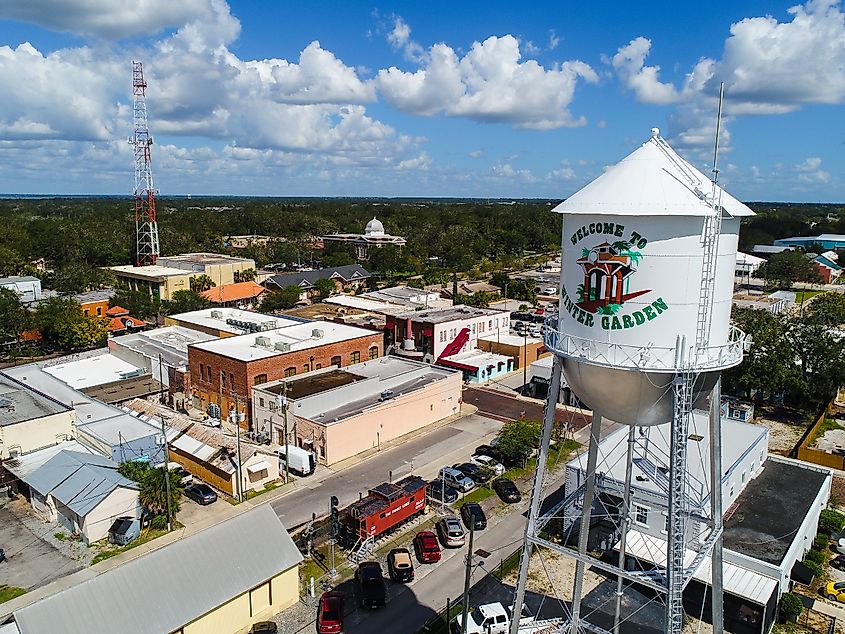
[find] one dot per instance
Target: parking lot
(30, 560)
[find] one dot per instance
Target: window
(259, 379)
(490, 325)
(497, 322)
(374, 352)
(306, 368)
(223, 379)
(99, 311)
(732, 490)
(318, 366)
(260, 402)
(231, 380)
(666, 523)
(290, 372)
(473, 329)
(743, 476)
(481, 326)
(335, 361)
(640, 514)
(355, 357)
(202, 372)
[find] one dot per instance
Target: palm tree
(153, 493)
(200, 283)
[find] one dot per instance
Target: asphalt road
(423, 456)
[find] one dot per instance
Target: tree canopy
(282, 299)
(185, 302)
(14, 318)
(62, 323)
(783, 269)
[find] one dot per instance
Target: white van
(301, 461)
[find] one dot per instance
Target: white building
(26, 287)
(746, 265)
(771, 507)
(228, 322)
(374, 236)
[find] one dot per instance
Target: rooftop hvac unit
(385, 395)
(217, 314)
(268, 325)
(282, 346)
(262, 341)
(317, 333)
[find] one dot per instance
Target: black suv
(473, 471)
(438, 490)
(201, 494)
(473, 516)
(369, 582)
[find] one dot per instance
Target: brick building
(223, 371)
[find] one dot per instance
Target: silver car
(451, 532)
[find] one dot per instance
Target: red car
(330, 613)
(426, 547)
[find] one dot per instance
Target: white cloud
(507, 171)
(629, 64)
(488, 84)
(810, 171)
(476, 154)
(563, 173)
(531, 48)
(400, 39)
(554, 40)
(108, 19)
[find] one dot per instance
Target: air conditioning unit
(282, 346)
(385, 395)
(264, 342)
(268, 325)
(217, 314)
(317, 333)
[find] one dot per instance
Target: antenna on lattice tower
(146, 227)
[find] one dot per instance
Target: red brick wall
(244, 372)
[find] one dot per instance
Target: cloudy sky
(418, 99)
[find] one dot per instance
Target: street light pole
(282, 402)
(235, 418)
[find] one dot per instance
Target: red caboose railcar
(386, 507)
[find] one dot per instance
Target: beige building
(339, 413)
(80, 491)
(174, 273)
(31, 420)
(221, 580)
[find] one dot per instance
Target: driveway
(30, 561)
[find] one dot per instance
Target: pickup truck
(494, 618)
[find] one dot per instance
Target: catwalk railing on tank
(653, 358)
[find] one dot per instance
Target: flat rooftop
(453, 313)
(171, 342)
(477, 359)
(382, 381)
(771, 509)
(311, 384)
(204, 258)
(290, 338)
(89, 297)
(234, 320)
(511, 340)
(124, 390)
(153, 271)
(93, 371)
(19, 404)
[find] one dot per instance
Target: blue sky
(418, 99)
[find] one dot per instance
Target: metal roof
(654, 180)
(19, 403)
(172, 586)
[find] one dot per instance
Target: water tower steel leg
(586, 514)
(716, 588)
(624, 523)
(537, 490)
(682, 387)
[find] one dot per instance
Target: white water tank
(633, 253)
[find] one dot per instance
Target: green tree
(200, 283)
(480, 299)
(14, 318)
(139, 303)
(185, 302)
(247, 275)
(153, 493)
(281, 299)
(338, 255)
(134, 470)
(78, 277)
(827, 309)
(325, 287)
(517, 439)
(784, 269)
(62, 323)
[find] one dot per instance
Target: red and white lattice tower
(146, 227)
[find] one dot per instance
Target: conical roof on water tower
(634, 256)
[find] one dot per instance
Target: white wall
(446, 332)
(119, 503)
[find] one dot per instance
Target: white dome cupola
(374, 228)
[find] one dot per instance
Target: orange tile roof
(233, 292)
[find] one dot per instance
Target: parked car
(124, 530)
(302, 462)
(837, 562)
(456, 479)
(473, 471)
(451, 532)
(486, 462)
(330, 613)
(369, 582)
(473, 516)
(264, 627)
(506, 490)
(185, 476)
(487, 450)
(835, 591)
(200, 493)
(400, 568)
(426, 547)
(440, 491)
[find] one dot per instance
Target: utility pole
(468, 578)
(166, 470)
(236, 419)
(282, 403)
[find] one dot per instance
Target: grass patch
(478, 494)
(558, 454)
(145, 537)
(828, 424)
(802, 295)
(7, 593)
(267, 487)
(60, 536)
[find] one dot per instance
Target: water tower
(647, 267)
